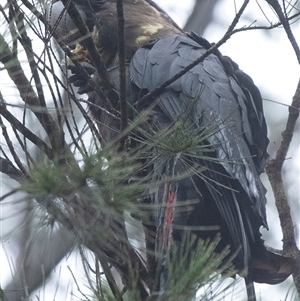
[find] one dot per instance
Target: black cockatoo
(214, 100)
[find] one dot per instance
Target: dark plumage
(215, 98)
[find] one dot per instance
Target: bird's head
(61, 22)
(144, 21)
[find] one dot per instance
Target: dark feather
(214, 100)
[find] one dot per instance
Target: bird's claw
(78, 79)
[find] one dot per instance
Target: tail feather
(270, 267)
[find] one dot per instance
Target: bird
(212, 116)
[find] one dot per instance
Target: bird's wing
(219, 103)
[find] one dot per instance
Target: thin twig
(153, 94)
(110, 92)
(26, 132)
(27, 93)
(6, 167)
(111, 281)
(274, 172)
(122, 64)
(284, 20)
(230, 32)
(11, 148)
(8, 194)
(54, 132)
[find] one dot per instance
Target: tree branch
(274, 172)
(26, 132)
(153, 94)
(110, 92)
(122, 65)
(284, 20)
